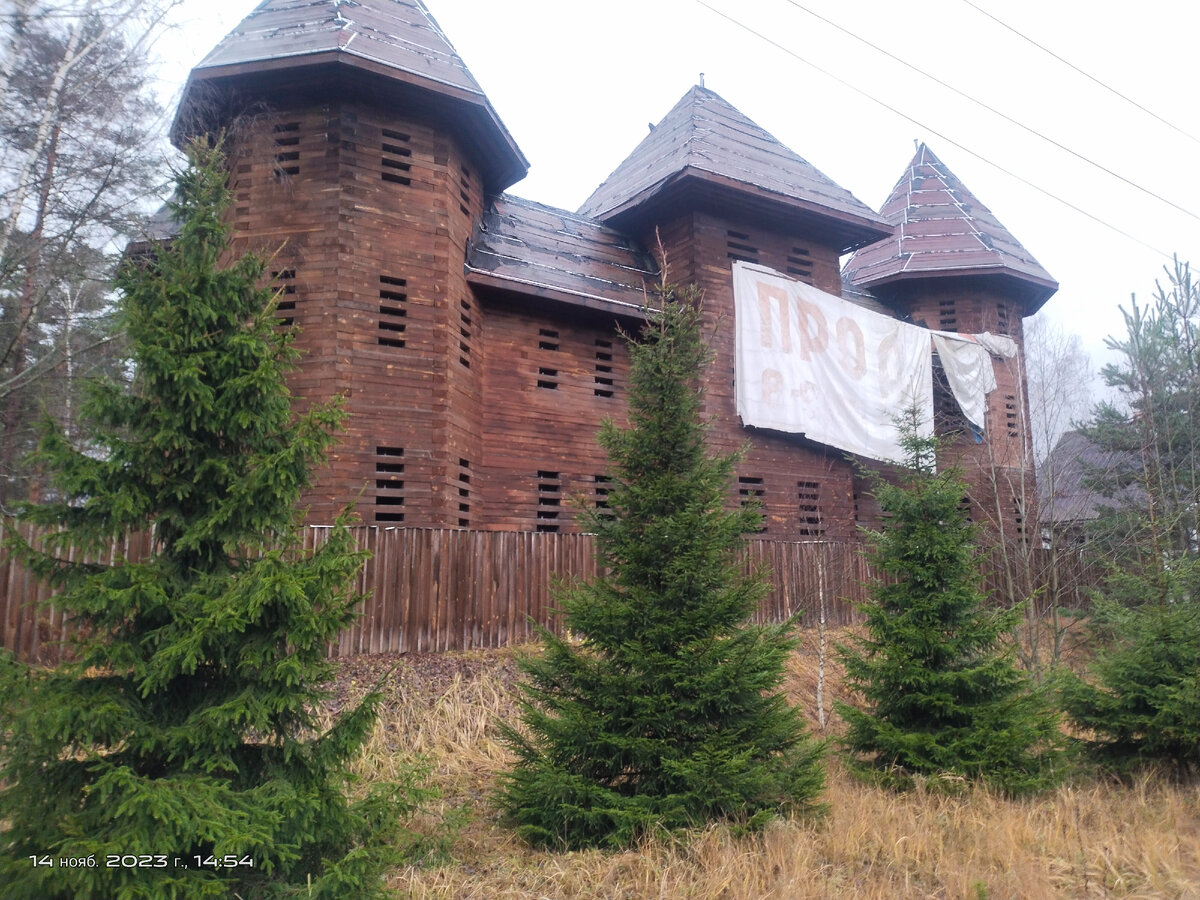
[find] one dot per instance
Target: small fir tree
(942, 694)
(182, 754)
(665, 711)
(1141, 704)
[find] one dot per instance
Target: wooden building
(475, 333)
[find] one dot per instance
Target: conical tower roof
(941, 229)
(705, 145)
(391, 49)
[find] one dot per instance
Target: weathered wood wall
(549, 382)
(1000, 481)
(365, 216)
(456, 589)
(807, 490)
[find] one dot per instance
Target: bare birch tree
(79, 130)
(1059, 376)
(1056, 376)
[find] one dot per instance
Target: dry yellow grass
(1094, 839)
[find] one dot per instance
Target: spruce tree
(1141, 704)
(182, 753)
(663, 709)
(942, 694)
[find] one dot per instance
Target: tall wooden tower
(362, 150)
(715, 187)
(951, 266)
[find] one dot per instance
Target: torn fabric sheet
(811, 363)
(967, 362)
(996, 344)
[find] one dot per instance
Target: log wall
(480, 409)
(998, 470)
(549, 383)
(365, 216)
(806, 489)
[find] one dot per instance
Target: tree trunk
(13, 413)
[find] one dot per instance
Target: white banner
(967, 362)
(811, 363)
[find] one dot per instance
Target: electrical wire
(996, 112)
(940, 135)
(1087, 75)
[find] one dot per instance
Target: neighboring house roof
(157, 229)
(1064, 497)
(942, 229)
(395, 40)
(706, 141)
(161, 226)
(530, 248)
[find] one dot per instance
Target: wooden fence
(432, 589)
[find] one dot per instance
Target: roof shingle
(530, 248)
(395, 42)
(703, 137)
(401, 34)
(942, 229)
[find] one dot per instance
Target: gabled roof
(528, 248)
(396, 40)
(704, 139)
(1065, 496)
(942, 229)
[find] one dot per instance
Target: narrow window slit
(389, 485)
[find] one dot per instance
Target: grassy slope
(1092, 839)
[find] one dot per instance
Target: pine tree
(665, 709)
(942, 694)
(182, 755)
(1141, 699)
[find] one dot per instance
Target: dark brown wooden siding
(549, 382)
(282, 167)
(806, 490)
(366, 218)
(478, 408)
(394, 220)
(998, 470)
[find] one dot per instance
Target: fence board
(453, 589)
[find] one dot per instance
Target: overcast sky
(577, 84)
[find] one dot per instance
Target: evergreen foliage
(187, 732)
(1151, 435)
(1141, 700)
(943, 696)
(664, 709)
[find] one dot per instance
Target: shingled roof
(706, 141)
(942, 229)
(396, 41)
(1065, 495)
(537, 250)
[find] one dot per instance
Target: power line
(932, 130)
(1086, 75)
(996, 112)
